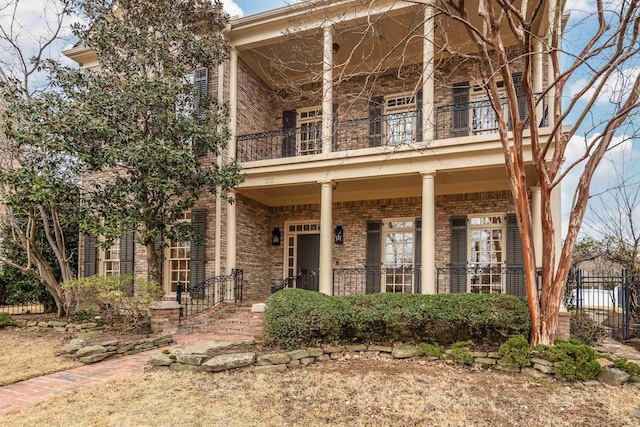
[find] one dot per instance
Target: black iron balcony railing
(366, 280)
(391, 130)
(482, 279)
(474, 118)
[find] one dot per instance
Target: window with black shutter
(458, 255)
(374, 256)
(460, 113)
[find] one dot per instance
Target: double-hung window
(401, 119)
(309, 139)
(178, 262)
(111, 260)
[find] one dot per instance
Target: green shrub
(82, 316)
(633, 369)
(295, 318)
(573, 359)
(461, 352)
(515, 352)
(430, 350)
(5, 319)
(585, 329)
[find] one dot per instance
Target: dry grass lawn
(28, 354)
(371, 393)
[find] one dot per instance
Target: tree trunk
(153, 263)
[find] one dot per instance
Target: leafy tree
(134, 126)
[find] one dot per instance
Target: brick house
(383, 173)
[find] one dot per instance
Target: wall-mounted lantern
(335, 48)
(275, 237)
(338, 236)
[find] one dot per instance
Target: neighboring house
(385, 175)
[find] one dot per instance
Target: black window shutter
(522, 103)
(419, 116)
(334, 128)
(460, 114)
(458, 260)
(197, 259)
(374, 256)
(127, 251)
(417, 262)
(515, 259)
(376, 110)
(89, 255)
(289, 119)
(201, 85)
(159, 245)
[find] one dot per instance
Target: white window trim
(317, 120)
(384, 230)
(166, 267)
(294, 234)
(406, 108)
(502, 227)
(102, 256)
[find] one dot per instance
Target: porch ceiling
(367, 45)
(387, 187)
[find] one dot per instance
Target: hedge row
(295, 318)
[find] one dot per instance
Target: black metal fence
(361, 281)
(203, 296)
(608, 298)
(509, 280)
(308, 279)
(279, 144)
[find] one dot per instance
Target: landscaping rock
(59, 324)
(192, 359)
(537, 361)
(32, 323)
(514, 369)
(404, 351)
(165, 339)
(323, 358)
(475, 354)
(336, 356)
(307, 360)
(613, 377)
(144, 346)
(494, 355)
(293, 363)
(591, 383)
(267, 369)
(336, 349)
(381, 348)
(544, 368)
(227, 361)
(43, 324)
(19, 323)
(179, 367)
(370, 354)
(274, 359)
(158, 358)
(298, 354)
(485, 360)
(109, 343)
(531, 372)
(315, 352)
(357, 347)
(94, 358)
(90, 350)
(123, 348)
(636, 413)
(605, 363)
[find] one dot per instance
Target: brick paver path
(16, 396)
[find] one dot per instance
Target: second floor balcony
(394, 130)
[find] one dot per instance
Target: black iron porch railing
(366, 280)
(474, 118)
(213, 291)
(277, 144)
(308, 279)
(483, 279)
(395, 130)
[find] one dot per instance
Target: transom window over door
(309, 139)
(400, 111)
(398, 255)
(486, 253)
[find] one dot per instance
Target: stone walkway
(16, 396)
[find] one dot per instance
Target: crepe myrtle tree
(135, 124)
(600, 62)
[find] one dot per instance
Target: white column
(327, 90)
(550, 76)
(233, 103)
(537, 77)
(326, 237)
(428, 81)
(556, 214)
(536, 222)
(233, 126)
(218, 227)
(428, 272)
